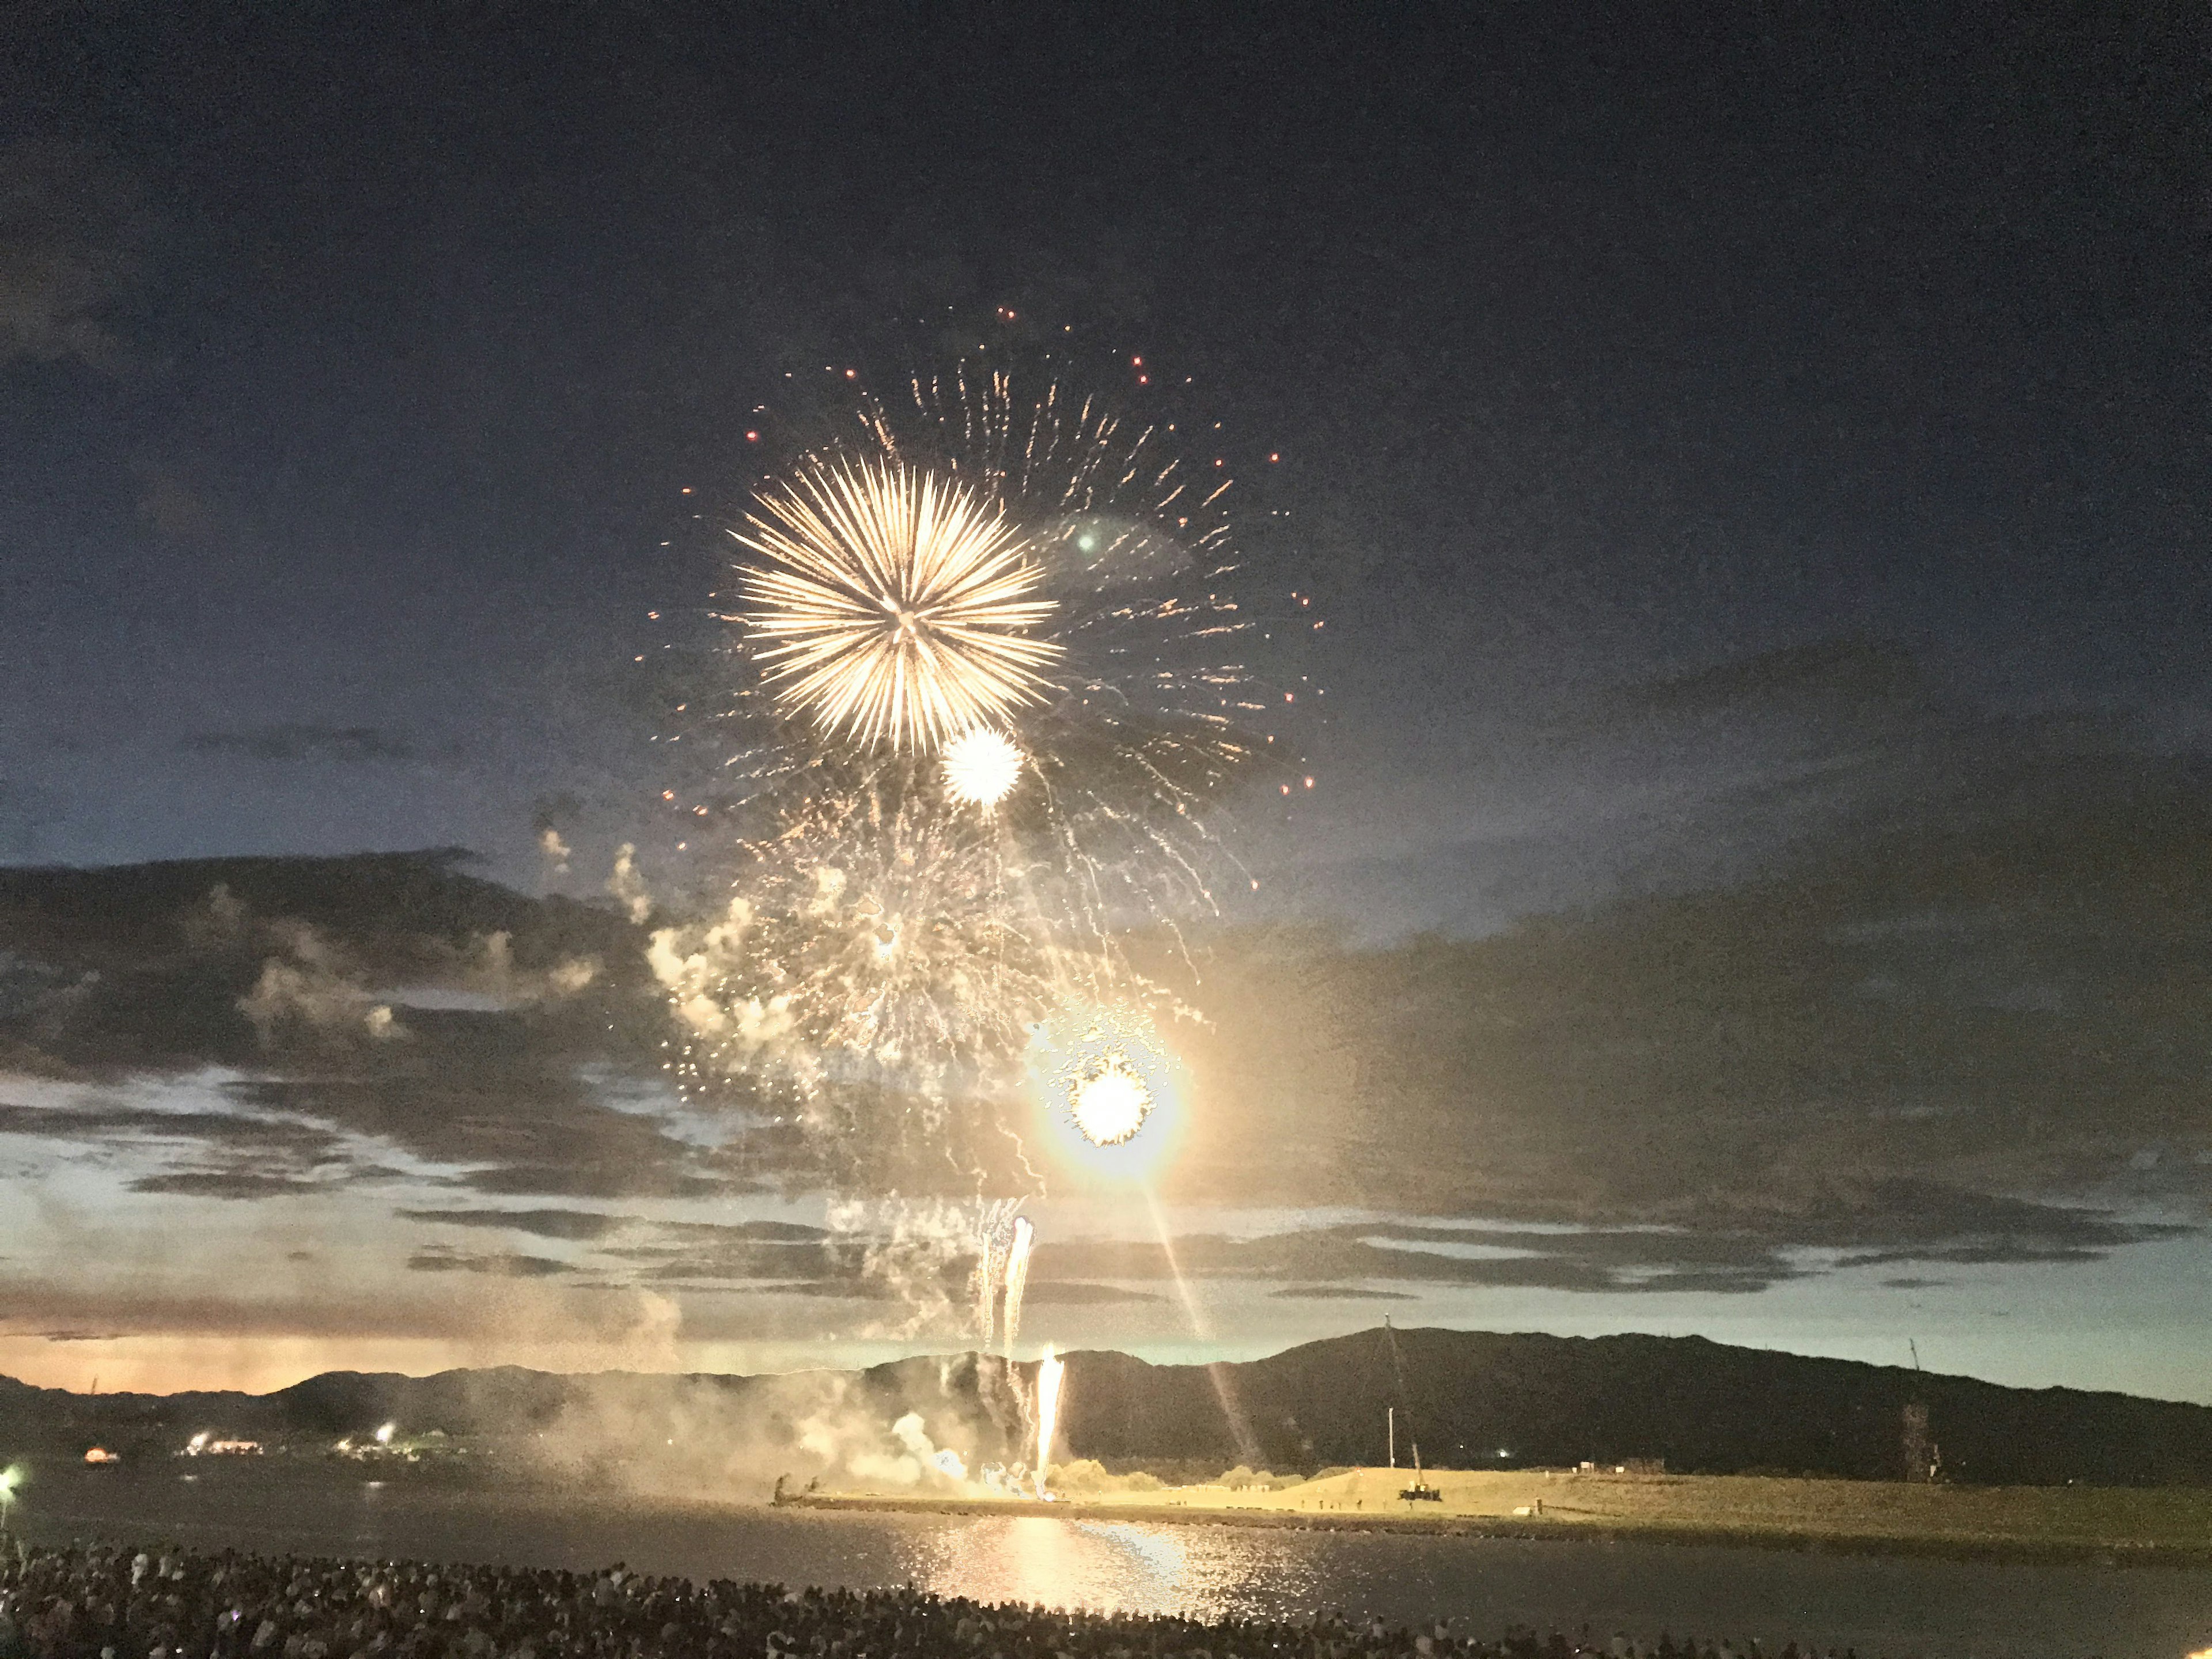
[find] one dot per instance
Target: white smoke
(692, 964)
(487, 967)
(912, 1248)
(853, 1447)
(626, 884)
(554, 851)
(310, 990)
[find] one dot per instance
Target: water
(1891, 1606)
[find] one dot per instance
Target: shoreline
(2019, 1551)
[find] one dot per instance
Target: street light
(9, 1477)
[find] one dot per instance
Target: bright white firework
(896, 606)
(1110, 1101)
(982, 767)
(1051, 1371)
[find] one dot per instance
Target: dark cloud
(1067, 1292)
(503, 1264)
(1730, 1256)
(1343, 1255)
(741, 1260)
(227, 1184)
(1338, 1293)
(584, 1180)
(1850, 671)
(305, 742)
(112, 1122)
(177, 506)
(216, 1154)
(72, 239)
(1943, 1031)
(1951, 1012)
(581, 1225)
(772, 1232)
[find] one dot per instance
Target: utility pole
(1392, 1418)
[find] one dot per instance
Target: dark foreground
(106, 1601)
(1902, 1608)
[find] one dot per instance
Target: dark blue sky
(354, 361)
(1751, 460)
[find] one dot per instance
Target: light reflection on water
(1209, 1573)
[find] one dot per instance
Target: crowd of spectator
(100, 1602)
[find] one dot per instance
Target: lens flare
(895, 606)
(1111, 1102)
(1109, 1096)
(982, 767)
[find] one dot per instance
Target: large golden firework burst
(895, 606)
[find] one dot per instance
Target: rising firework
(1051, 1371)
(1018, 1280)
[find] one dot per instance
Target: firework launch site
(1615, 1437)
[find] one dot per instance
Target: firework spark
(896, 606)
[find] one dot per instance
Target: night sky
(1751, 464)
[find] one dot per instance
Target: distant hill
(1466, 1396)
(1548, 1400)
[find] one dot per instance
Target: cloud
(1074, 1293)
(1852, 670)
(1968, 987)
(72, 239)
(1338, 1293)
(177, 507)
(1688, 1091)
(304, 741)
(579, 1226)
(786, 1232)
(1735, 1253)
(598, 1181)
(501, 1265)
(228, 1183)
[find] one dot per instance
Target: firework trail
(1017, 1279)
(993, 1236)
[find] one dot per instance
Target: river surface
(1887, 1605)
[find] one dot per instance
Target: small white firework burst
(982, 767)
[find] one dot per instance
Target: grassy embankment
(2128, 1524)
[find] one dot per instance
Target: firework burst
(894, 606)
(994, 684)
